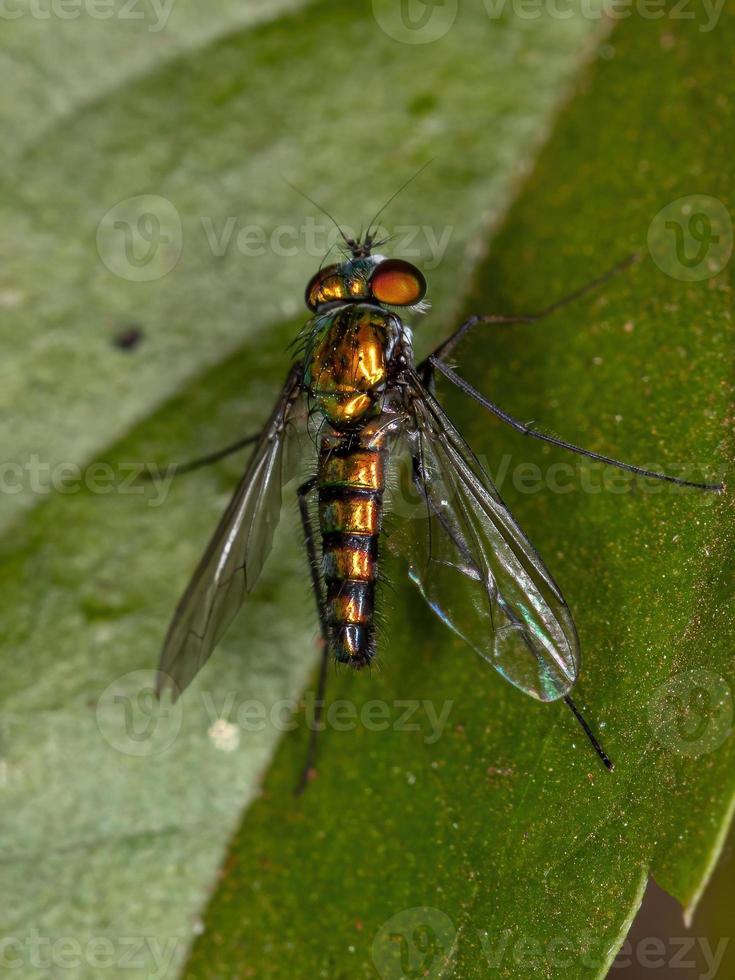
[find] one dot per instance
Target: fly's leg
(607, 762)
(446, 347)
(527, 430)
(310, 540)
(177, 469)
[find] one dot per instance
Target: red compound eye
(397, 283)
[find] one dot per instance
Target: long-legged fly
(354, 382)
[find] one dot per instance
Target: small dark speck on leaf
(422, 104)
(128, 338)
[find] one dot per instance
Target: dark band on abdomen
(351, 482)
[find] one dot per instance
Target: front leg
(444, 350)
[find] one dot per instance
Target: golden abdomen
(351, 480)
(348, 370)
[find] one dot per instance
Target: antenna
(393, 197)
(348, 241)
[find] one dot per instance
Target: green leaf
(162, 204)
(115, 816)
(503, 843)
(95, 49)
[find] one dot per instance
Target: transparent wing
(475, 567)
(237, 551)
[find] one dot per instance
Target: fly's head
(367, 278)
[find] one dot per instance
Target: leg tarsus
(308, 769)
(607, 762)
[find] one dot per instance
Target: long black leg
(467, 388)
(609, 765)
(176, 469)
(309, 538)
(446, 347)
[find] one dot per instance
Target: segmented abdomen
(351, 485)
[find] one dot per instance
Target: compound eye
(327, 285)
(397, 283)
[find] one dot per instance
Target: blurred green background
(153, 269)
